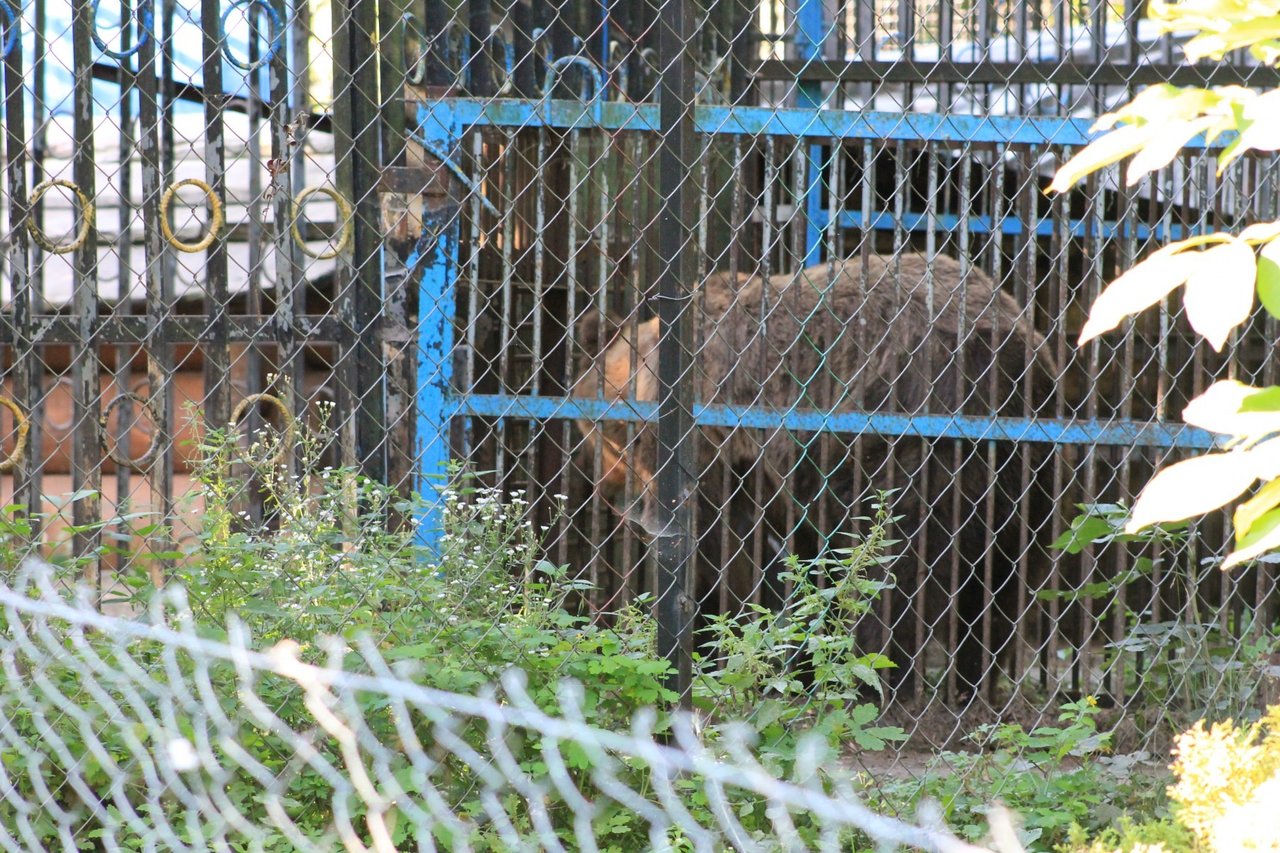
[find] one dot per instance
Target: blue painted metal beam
(884, 220)
(436, 255)
(810, 35)
(1116, 433)
(793, 123)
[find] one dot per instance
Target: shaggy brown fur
(896, 335)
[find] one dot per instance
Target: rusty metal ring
(215, 216)
(86, 218)
(143, 462)
(288, 435)
(20, 446)
(344, 222)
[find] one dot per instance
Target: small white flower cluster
(487, 531)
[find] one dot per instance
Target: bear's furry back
(887, 339)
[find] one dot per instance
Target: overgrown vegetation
(324, 562)
(1191, 664)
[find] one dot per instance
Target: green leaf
(1237, 34)
(1085, 530)
(1141, 287)
(1269, 277)
(1161, 150)
(1219, 292)
(1193, 487)
(1248, 513)
(1112, 148)
(1230, 407)
(1263, 538)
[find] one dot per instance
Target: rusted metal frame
(217, 349)
(927, 476)
(86, 449)
(1063, 457)
(1126, 254)
(250, 376)
(30, 375)
(23, 285)
(363, 119)
(504, 437)
(641, 256)
(289, 277)
(123, 374)
(1093, 249)
(348, 384)
(159, 304)
(393, 70)
(131, 330)
(768, 203)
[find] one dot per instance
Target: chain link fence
(118, 732)
(708, 285)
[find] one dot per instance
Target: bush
(324, 563)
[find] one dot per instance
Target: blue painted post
(811, 32)
(436, 256)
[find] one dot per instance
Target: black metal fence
(720, 273)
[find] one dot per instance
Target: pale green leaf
(1220, 409)
(1193, 487)
(1161, 150)
(1219, 292)
(1259, 127)
(1112, 148)
(1247, 513)
(1262, 400)
(1162, 103)
(1238, 34)
(1141, 287)
(1263, 538)
(1261, 232)
(1269, 277)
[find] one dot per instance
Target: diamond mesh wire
(880, 297)
(147, 734)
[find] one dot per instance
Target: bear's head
(619, 362)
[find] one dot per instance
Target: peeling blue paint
(793, 123)
(1117, 433)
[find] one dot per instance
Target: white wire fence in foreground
(150, 734)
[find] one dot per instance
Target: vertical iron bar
(365, 151)
(673, 542)
(159, 289)
(217, 352)
(288, 256)
(124, 251)
(26, 380)
(31, 373)
(86, 455)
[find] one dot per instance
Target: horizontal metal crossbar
(177, 329)
(883, 220)
(1022, 73)
(972, 427)
(459, 113)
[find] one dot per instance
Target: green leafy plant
(800, 668)
(323, 562)
(1220, 274)
(1186, 668)
(1051, 777)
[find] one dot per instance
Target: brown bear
(892, 334)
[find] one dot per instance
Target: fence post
(435, 259)
(673, 533)
(358, 106)
(810, 34)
